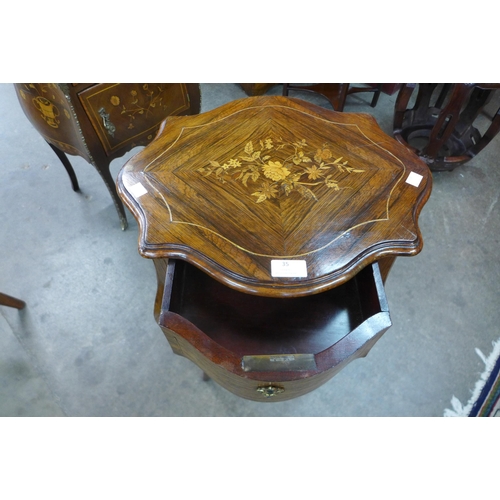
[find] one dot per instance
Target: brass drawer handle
(107, 122)
(269, 391)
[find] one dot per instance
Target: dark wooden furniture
(102, 121)
(336, 93)
(7, 300)
(272, 224)
(439, 122)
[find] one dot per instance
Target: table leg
(67, 165)
(110, 184)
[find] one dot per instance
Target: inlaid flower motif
(288, 167)
(314, 172)
(234, 163)
(323, 154)
(267, 190)
(115, 100)
(276, 171)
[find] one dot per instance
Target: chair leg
(376, 95)
(376, 92)
(67, 165)
(7, 300)
(344, 90)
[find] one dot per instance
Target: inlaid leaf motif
(143, 101)
(297, 169)
(260, 196)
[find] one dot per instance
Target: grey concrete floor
(87, 343)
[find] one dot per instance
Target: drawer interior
(253, 325)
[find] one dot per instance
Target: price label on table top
(288, 269)
(137, 190)
(414, 179)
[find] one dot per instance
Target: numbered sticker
(414, 179)
(288, 269)
(137, 190)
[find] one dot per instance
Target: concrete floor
(87, 343)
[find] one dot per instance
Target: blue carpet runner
(485, 401)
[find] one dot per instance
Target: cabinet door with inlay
(125, 115)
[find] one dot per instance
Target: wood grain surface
(274, 178)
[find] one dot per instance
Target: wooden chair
(442, 125)
(336, 93)
(7, 300)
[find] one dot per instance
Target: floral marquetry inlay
(149, 98)
(272, 167)
(268, 179)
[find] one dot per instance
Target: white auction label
(414, 179)
(137, 190)
(288, 269)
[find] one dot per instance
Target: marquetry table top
(276, 196)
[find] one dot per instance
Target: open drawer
(266, 348)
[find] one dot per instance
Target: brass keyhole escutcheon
(269, 391)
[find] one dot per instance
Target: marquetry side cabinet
(273, 224)
(102, 121)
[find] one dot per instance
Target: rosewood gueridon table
(272, 224)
